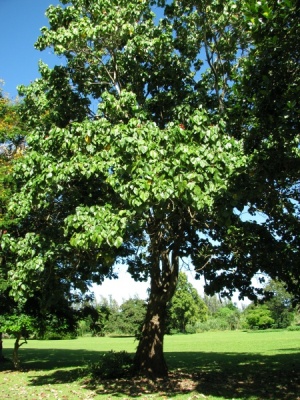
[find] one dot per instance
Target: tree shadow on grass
(228, 375)
(243, 375)
(52, 359)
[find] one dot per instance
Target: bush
(212, 324)
(112, 365)
(191, 328)
(57, 336)
(293, 328)
(202, 327)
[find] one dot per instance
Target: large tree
(140, 152)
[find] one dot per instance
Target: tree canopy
(163, 123)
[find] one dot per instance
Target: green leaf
(118, 242)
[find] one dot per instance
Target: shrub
(202, 327)
(191, 328)
(293, 328)
(112, 365)
(49, 335)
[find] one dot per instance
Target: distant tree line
(189, 313)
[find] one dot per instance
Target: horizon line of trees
(188, 312)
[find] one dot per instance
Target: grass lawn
(213, 365)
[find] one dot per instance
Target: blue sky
(21, 21)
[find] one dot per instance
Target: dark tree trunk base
(149, 358)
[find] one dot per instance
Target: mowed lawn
(212, 365)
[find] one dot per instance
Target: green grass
(213, 365)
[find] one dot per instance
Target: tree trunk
(16, 351)
(1, 348)
(17, 345)
(149, 358)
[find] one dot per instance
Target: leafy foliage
(259, 317)
(131, 317)
(276, 312)
(186, 307)
(112, 365)
(266, 115)
(20, 326)
(280, 304)
(96, 318)
(17, 324)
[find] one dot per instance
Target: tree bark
(17, 345)
(1, 348)
(149, 358)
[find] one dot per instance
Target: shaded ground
(228, 375)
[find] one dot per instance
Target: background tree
(141, 154)
(100, 316)
(229, 315)
(280, 304)
(213, 303)
(275, 312)
(258, 317)
(186, 306)
(47, 311)
(131, 316)
(107, 317)
(96, 318)
(12, 133)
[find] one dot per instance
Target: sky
(21, 21)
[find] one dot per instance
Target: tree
(107, 317)
(47, 309)
(276, 309)
(230, 314)
(280, 304)
(186, 306)
(213, 303)
(12, 133)
(131, 316)
(259, 317)
(20, 326)
(158, 171)
(97, 315)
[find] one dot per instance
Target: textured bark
(149, 358)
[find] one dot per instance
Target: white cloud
(121, 289)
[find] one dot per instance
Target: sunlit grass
(212, 365)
